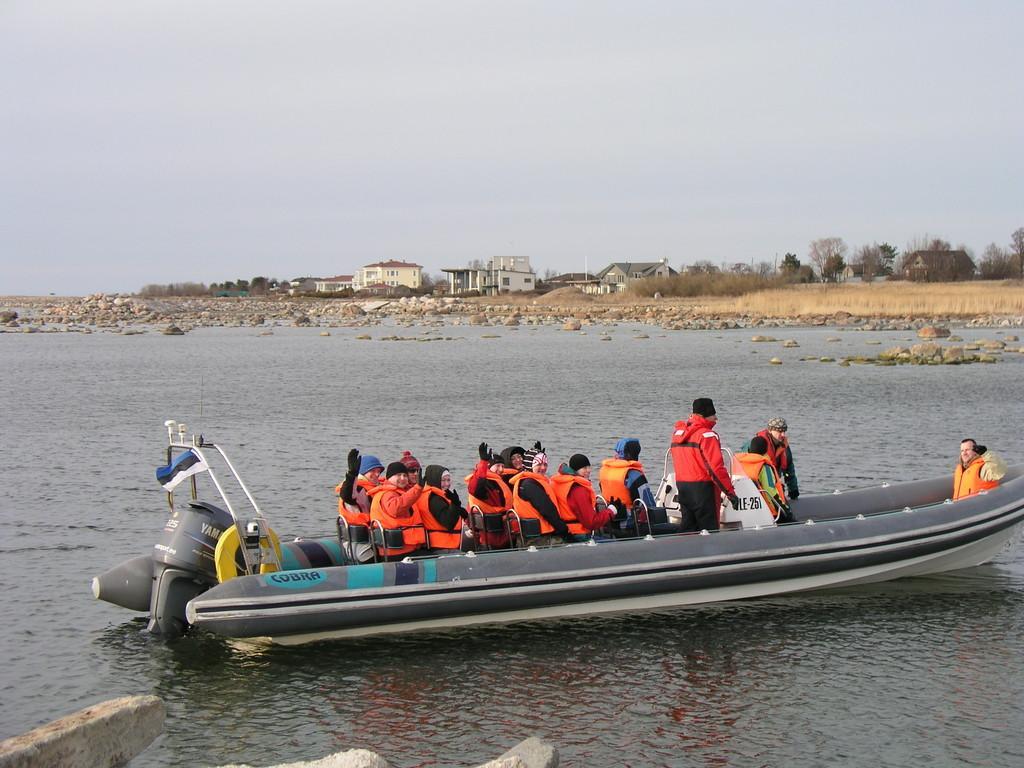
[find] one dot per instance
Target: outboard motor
(183, 563)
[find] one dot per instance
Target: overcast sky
(153, 142)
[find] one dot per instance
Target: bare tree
(1018, 250)
(924, 242)
(704, 266)
(869, 259)
(765, 269)
(996, 263)
(827, 255)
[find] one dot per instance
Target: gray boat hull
(857, 537)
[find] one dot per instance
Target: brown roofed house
(938, 266)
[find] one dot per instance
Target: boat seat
(350, 535)
(523, 528)
(385, 539)
(487, 525)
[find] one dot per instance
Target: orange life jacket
(776, 453)
(413, 536)
(562, 484)
(354, 516)
(438, 536)
(524, 508)
(506, 494)
(612, 477)
(751, 464)
(967, 482)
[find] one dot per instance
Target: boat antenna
(200, 430)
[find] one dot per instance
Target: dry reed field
(888, 299)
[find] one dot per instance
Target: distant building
(852, 273)
(302, 285)
(384, 289)
(938, 266)
(502, 274)
(585, 281)
(390, 274)
(333, 284)
(617, 277)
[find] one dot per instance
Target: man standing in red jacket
(699, 469)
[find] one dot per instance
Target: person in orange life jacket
(392, 505)
(512, 461)
(411, 463)
(363, 474)
(780, 454)
(489, 489)
(622, 478)
(533, 487)
(488, 483)
(757, 465)
(575, 498)
(979, 469)
(441, 510)
(699, 470)
(354, 498)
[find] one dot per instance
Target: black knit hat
(396, 468)
(703, 406)
(758, 445)
(578, 461)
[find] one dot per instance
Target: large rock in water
(933, 332)
(107, 734)
(926, 351)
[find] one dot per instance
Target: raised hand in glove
(538, 447)
(484, 453)
(734, 500)
(353, 462)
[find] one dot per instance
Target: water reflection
(717, 685)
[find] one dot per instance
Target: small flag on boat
(185, 465)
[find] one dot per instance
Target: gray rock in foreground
(352, 758)
(106, 734)
(532, 753)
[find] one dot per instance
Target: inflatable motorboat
(219, 566)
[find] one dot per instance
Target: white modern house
(501, 274)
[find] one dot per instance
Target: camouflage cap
(778, 423)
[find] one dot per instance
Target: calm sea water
(907, 673)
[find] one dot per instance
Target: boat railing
(483, 525)
(250, 523)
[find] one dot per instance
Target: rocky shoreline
(113, 732)
(572, 311)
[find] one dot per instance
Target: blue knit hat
(368, 462)
(623, 447)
